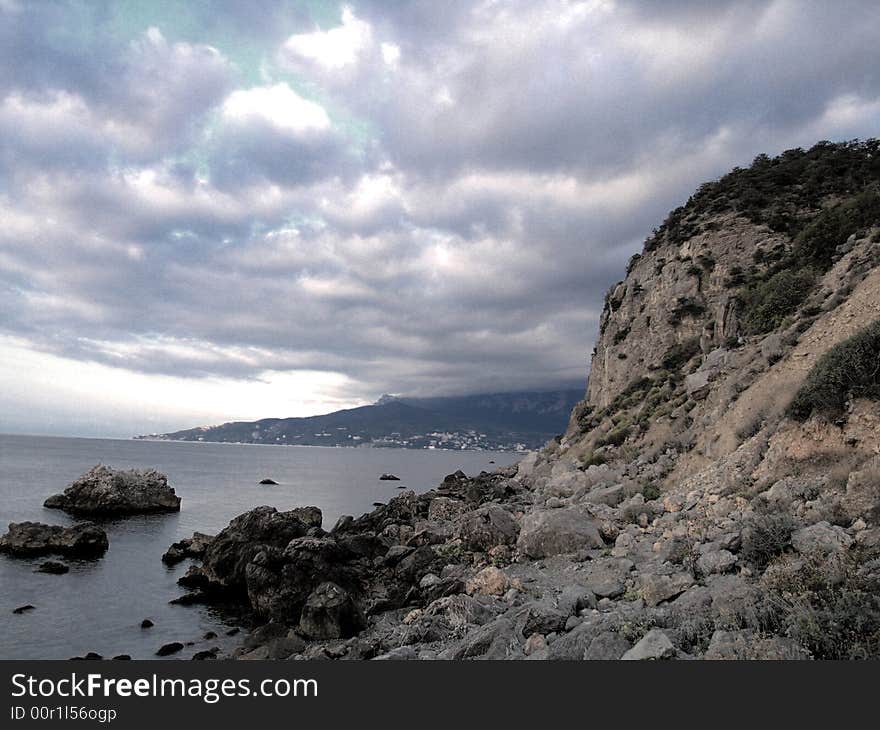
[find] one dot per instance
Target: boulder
(656, 588)
(35, 538)
(268, 482)
(607, 576)
(189, 547)
(697, 384)
(822, 538)
(227, 556)
(279, 582)
(716, 561)
(489, 581)
(446, 509)
(168, 649)
(611, 496)
(330, 613)
(485, 527)
(106, 491)
(558, 531)
(653, 645)
(608, 645)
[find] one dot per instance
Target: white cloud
(390, 53)
(334, 49)
(278, 106)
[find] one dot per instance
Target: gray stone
(560, 531)
(106, 491)
(697, 384)
(606, 577)
(486, 527)
(716, 561)
(610, 496)
(26, 539)
(330, 613)
(658, 588)
(822, 538)
(654, 645)
(608, 645)
(445, 509)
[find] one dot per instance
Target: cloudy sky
(209, 211)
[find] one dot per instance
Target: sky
(211, 212)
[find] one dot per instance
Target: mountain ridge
(516, 420)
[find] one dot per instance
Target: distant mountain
(501, 421)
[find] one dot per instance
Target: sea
(99, 605)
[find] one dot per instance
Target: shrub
(834, 613)
(816, 243)
(680, 353)
(767, 303)
(615, 437)
(593, 459)
(765, 537)
(850, 368)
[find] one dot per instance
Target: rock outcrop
(27, 539)
(109, 492)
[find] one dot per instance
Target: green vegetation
(851, 367)
(780, 192)
(815, 244)
(765, 537)
(685, 307)
(593, 460)
(766, 303)
(680, 353)
(834, 614)
(615, 437)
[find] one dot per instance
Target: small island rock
(106, 491)
(35, 538)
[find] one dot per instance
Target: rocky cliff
(716, 494)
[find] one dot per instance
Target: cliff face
(734, 299)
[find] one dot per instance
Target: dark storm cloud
(424, 201)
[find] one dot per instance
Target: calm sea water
(99, 605)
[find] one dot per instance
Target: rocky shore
(533, 561)
(716, 494)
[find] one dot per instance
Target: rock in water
(52, 568)
(23, 609)
(35, 538)
(167, 649)
(389, 478)
(190, 547)
(268, 481)
(106, 491)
